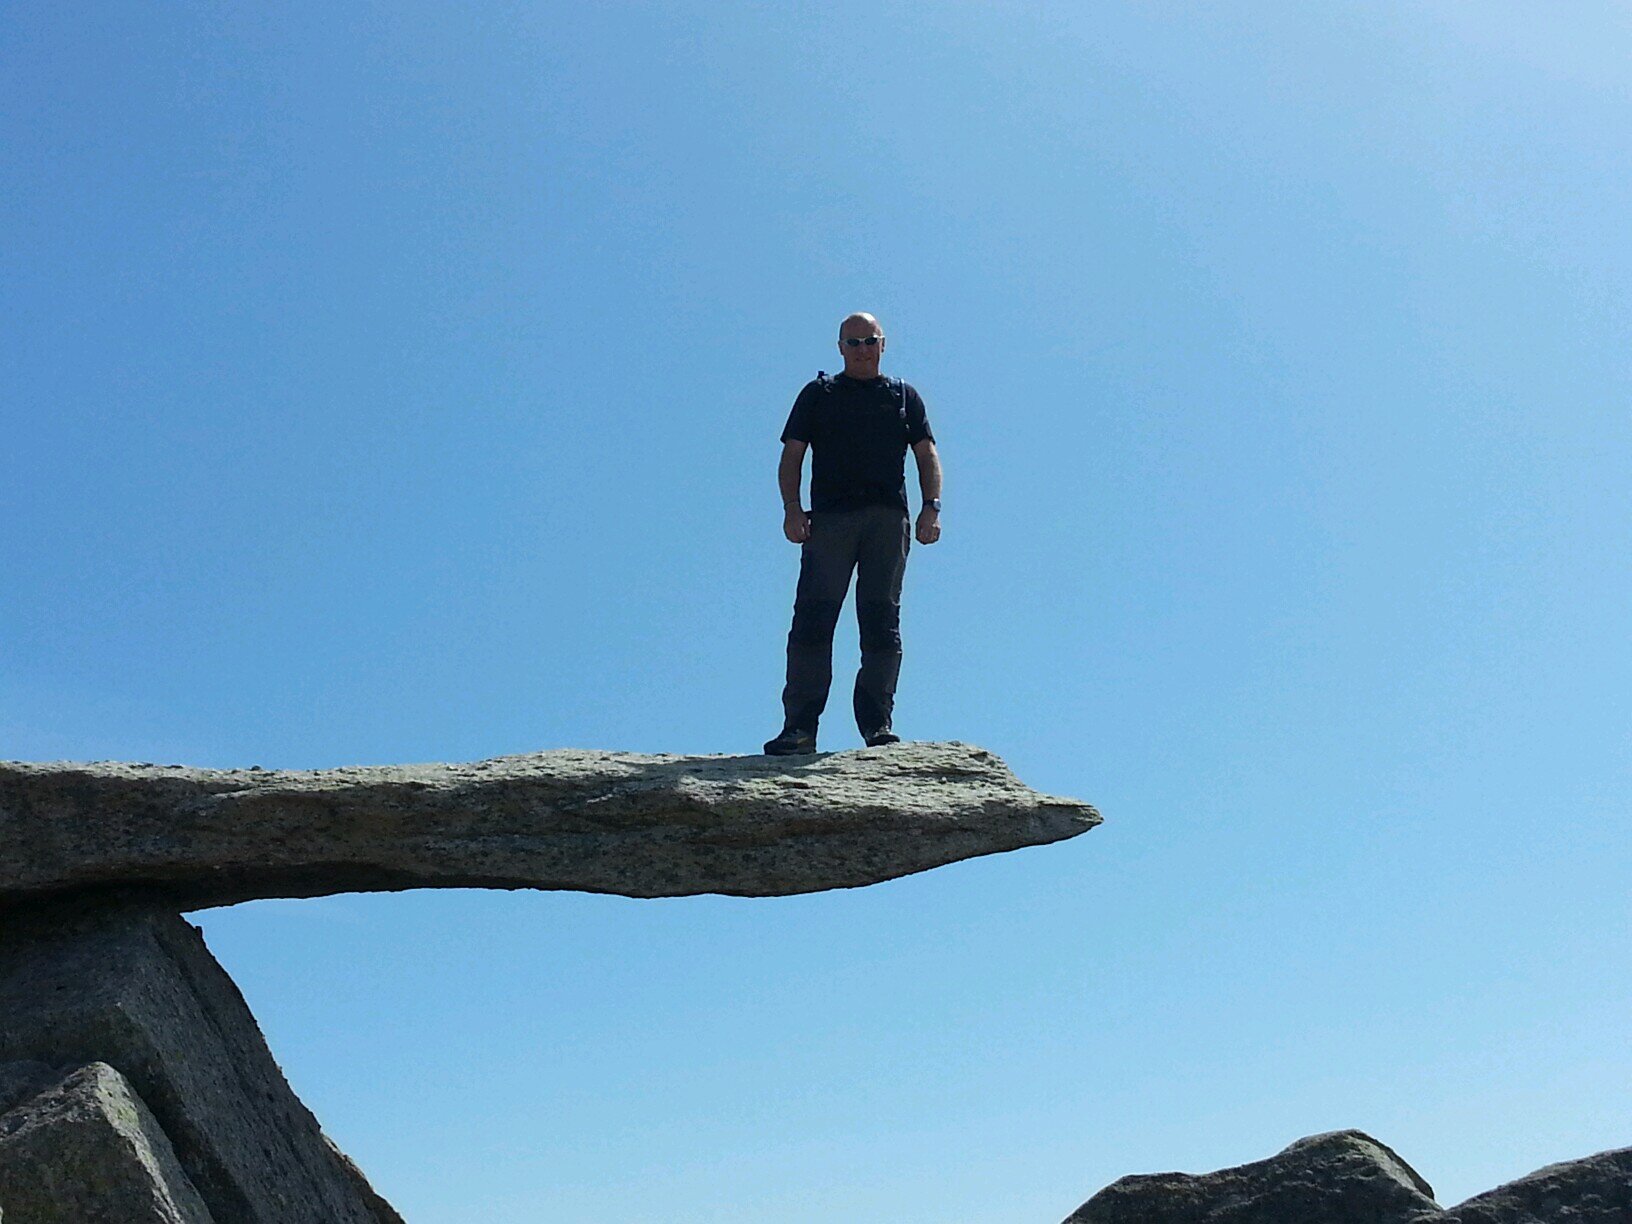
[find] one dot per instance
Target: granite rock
(641, 826)
(1595, 1190)
(133, 986)
(85, 1150)
(1345, 1177)
(19, 1081)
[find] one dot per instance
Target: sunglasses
(869, 341)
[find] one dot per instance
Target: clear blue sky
(399, 382)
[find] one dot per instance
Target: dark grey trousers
(873, 543)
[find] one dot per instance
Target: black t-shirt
(858, 433)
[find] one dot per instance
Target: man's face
(861, 359)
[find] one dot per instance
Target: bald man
(858, 426)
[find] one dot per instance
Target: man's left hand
(929, 526)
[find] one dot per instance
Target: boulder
(133, 986)
(1596, 1190)
(641, 826)
(85, 1150)
(1345, 1177)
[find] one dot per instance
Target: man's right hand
(796, 525)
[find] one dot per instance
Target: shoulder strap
(897, 386)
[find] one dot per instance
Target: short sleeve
(917, 417)
(801, 426)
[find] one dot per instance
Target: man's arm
(929, 484)
(789, 474)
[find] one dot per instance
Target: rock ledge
(640, 826)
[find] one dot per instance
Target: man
(858, 426)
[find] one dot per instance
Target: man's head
(861, 343)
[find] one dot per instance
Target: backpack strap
(898, 392)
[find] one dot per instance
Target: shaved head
(859, 324)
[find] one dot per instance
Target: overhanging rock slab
(640, 826)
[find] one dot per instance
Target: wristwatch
(933, 503)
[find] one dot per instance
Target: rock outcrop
(1347, 1177)
(85, 1149)
(134, 987)
(642, 826)
(1594, 1190)
(1325, 1179)
(135, 1084)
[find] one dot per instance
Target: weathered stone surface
(85, 1150)
(642, 826)
(1596, 1190)
(134, 986)
(1347, 1177)
(1344, 1177)
(19, 1081)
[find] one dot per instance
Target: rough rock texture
(20, 1081)
(1347, 1177)
(85, 1150)
(133, 986)
(1597, 1190)
(642, 826)
(1344, 1177)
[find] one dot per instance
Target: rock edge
(640, 826)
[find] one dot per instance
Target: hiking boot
(879, 738)
(792, 742)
